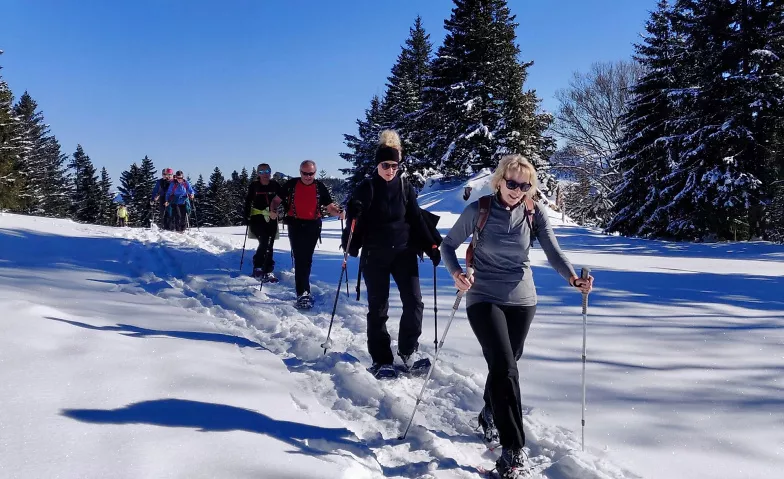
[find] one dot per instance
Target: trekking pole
(359, 276)
(435, 308)
(326, 344)
(196, 216)
(584, 274)
(242, 258)
(348, 295)
(460, 294)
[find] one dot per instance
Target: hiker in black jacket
(262, 220)
(392, 232)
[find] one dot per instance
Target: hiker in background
(177, 197)
(262, 220)
(122, 215)
(392, 233)
(303, 199)
(159, 196)
(501, 297)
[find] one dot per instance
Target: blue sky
(196, 84)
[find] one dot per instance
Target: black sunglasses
(385, 165)
(307, 173)
(513, 185)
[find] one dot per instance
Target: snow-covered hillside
(138, 353)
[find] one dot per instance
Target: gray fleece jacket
(502, 269)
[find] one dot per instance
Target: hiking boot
(487, 423)
(511, 464)
(414, 362)
(269, 278)
(305, 301)
(258, 273)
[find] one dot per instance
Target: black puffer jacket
(388, 217)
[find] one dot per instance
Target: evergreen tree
(645, 150)
(87, 198)
(10, 180)
(363, 147)
(238, 190)
(475, 110)
(33, 134)
(132, 196)
(146, 183)
(403, 99)
(107, 210)
(57, 200)
(216, 207)
(200, 188)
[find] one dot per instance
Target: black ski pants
(165, 219)
(265, 232)
(377, 266)
(180, 216)
(303, 236)
(501, 331)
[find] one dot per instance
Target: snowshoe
(305, 301)
(414, 363)
(511, 464)
(383, 371)
(258, 274)
(269, 278)
(486, 422)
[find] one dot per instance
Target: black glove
(435, 255)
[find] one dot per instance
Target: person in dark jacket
(501, 298)
(262, 220)
(159, 196)
(391, 231)
(303, 200)
(178, 196)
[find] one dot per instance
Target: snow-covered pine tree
(403, 99)
(238, 189)
(363, 147)
(645, 148)
(86, 192)
(200, 189)
(10, 181)
(57, 200)
(31, 161)
(718, 181)
(107, 210)
(476, 83)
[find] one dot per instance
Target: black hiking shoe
(383, 371)
(414, 363)
(487, 423)
(511, 464)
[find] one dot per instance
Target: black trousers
(377, 266)
(165, 219)
(501, 331)
(265, 232)
(303, 236)
(180, 216)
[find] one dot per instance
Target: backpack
(485, 202)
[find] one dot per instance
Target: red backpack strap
(484, 211)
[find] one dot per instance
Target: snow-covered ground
(137, 353)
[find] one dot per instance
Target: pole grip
(585, 273)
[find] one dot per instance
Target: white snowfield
(132, 353)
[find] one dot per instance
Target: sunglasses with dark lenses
(513, 185)
(307, 173)
(265, 172)
(387, 166)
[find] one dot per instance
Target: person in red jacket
(303, 199)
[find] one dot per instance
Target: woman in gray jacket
(501, 297)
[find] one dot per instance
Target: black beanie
(387, 153)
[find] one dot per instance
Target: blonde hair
(391, 139)
(514, 163)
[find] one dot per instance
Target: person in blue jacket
(178, 196)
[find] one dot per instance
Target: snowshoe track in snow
(197, 271)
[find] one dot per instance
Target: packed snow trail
(198, 271)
